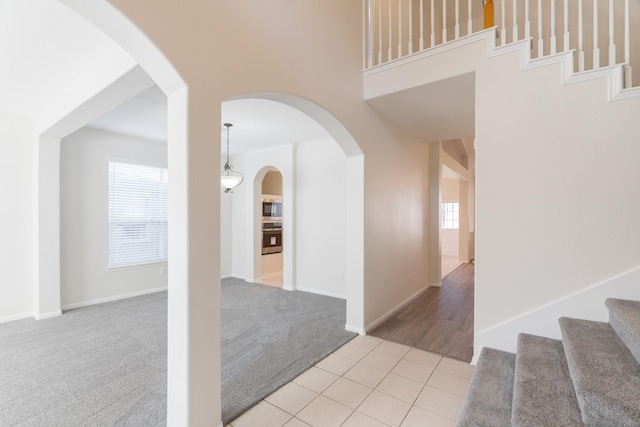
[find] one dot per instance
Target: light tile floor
(368, 382)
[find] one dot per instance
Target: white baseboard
(321, 292)
(391, 312)
(226, 276)
(112, 298)
(359, 331)
(48, 315)
(270, 275)
(13, 317)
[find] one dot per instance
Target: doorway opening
(271, 229)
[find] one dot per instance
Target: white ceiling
(435, 112)
(43, 47)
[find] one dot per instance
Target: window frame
(164, 252)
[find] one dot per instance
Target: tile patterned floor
(368, 382)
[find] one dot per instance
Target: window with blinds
(138, 208)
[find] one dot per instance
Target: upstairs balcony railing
(599, 33)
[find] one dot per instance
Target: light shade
(230, 179)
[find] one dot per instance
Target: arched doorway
(352, 184)
(272, 227)
(193, 376)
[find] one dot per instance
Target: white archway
(193, 371)
(354, 184)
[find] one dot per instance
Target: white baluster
(469, 23)
(366, 34)
(379, 31)
(565, 44)
(596, 49)
(433, 25)
(527, 20)
(444, 21)
(553, 27)
(457, 27)
(515, 20)
(612, 43)
(503, 24)
(421, 24)
(411, 25)
(399, 28)
(540, 41)
(389, 55)
(580, 37)
(627, 48)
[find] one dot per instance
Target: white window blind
(450, 216)
(138, 207)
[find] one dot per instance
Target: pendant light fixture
(229, 179)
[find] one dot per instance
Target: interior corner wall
(16, 216)
(85, 278)
(557, 197)
(321, 218)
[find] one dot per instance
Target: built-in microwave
(271, 209)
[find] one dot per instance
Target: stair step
(605, 374)
(543, 393)
(624, 317)
(488, 399)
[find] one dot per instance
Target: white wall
(247, 211)
(84, 220)
(16, 216)
(557, 193)
(226, 234)
(321, 213)
(314, 226)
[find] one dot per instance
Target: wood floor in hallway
(440, 320)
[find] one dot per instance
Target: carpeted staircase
(590, 378)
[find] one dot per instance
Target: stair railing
(599, 33)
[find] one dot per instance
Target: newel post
(488, 13)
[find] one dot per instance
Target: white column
(515, 20)
(596, 49)
(355, 244)
(47, 227)
(612, 43)
(627, 48)
(527, 20)
(435, 201)
(553, 47)
(433, 24)
(580, 37)
(463, 234)
(193, 376)
(565, 45)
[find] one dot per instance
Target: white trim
(226, 276)
(359, 331)
(269, 276)
(13, 317)
(326, 294)
(48, 315)
(395, 309)
(463, 41)
(112, 298)
(588, 304)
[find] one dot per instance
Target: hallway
(440, 320)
